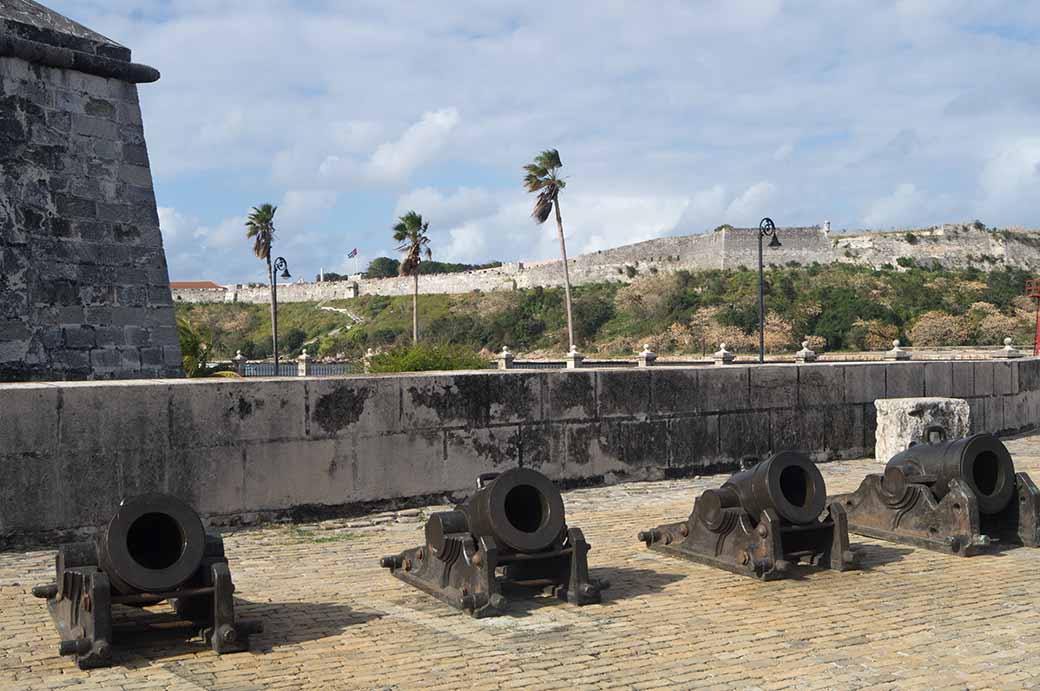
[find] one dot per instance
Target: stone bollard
(723, 356)
(901, 421)
(1007, 352)
(574, 358)
(647, 357)
(303, 364)
(505, 358)
(239, 362)
(806, 354)
(896, 353)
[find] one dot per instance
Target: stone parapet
(232, 447)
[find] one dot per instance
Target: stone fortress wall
(84, 290)
(949, 246)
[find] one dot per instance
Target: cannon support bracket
(477, 577)
(769, 548)
(953, 525)
(81, 598)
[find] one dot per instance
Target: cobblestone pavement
(333, 619)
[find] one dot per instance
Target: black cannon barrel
(981, 461)
(521, 508)
(787, 482)
(154, 543)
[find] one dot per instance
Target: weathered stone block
(1005, 378)
(674, 391)
(343, 406)
(774, 386)
(901, 421)
(963, 373)
(743, 434)
(822, 384)
(570, 395)
(29, 421)
(983, 378)
(724, 388)
(938, 379)
(904, 380)
(693, 442)
(1029, 374)
(623, 393)
(864, 382)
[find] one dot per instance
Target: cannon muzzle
(520, 508)
(980, 461)
(788, 482)
(153, 544)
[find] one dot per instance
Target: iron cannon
(951, 495)
(154, 549)
(766, 521)
(509, 536)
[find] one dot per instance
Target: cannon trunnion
(956, 496)
(763, 522)
(510, 535)
(154, 549)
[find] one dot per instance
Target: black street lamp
(279, 265)
(765, 229)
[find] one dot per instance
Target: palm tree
(260, 228)
(542, 178)
(410, 234)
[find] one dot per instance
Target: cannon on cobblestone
(957, 496)
(769, 521)
(154, 549)
(509, 537)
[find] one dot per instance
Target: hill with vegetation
(839, 306)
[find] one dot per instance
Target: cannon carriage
(959, 496)
(154, 549)
(510, 536)
(768, 522)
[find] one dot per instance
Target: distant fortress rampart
(948, 246)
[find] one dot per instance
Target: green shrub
(911, 239)
(426, 357)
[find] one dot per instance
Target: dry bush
(647, 296)
(937, 328)
(871, 334)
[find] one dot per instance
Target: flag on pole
(353, 253)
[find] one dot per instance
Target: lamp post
(766, 228)
(279, 265)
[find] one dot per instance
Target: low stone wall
(234, 447)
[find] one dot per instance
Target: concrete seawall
(234, 447)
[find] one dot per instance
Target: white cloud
(447, 209)
(753, 203)
(1010, 183)
(394, 161)
(897, 208)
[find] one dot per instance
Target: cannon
(509, 537)
(959, 496)
(153, 549)
(769, 521)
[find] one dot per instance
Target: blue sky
(671, 118)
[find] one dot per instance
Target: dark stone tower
(84, 289)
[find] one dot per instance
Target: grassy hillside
(839, 306)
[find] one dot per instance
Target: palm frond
(542, 208)
(260, 228)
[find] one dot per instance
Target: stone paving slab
(333, 619)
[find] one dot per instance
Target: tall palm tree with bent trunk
(543, 177)
(410, 234)
(260, 228)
